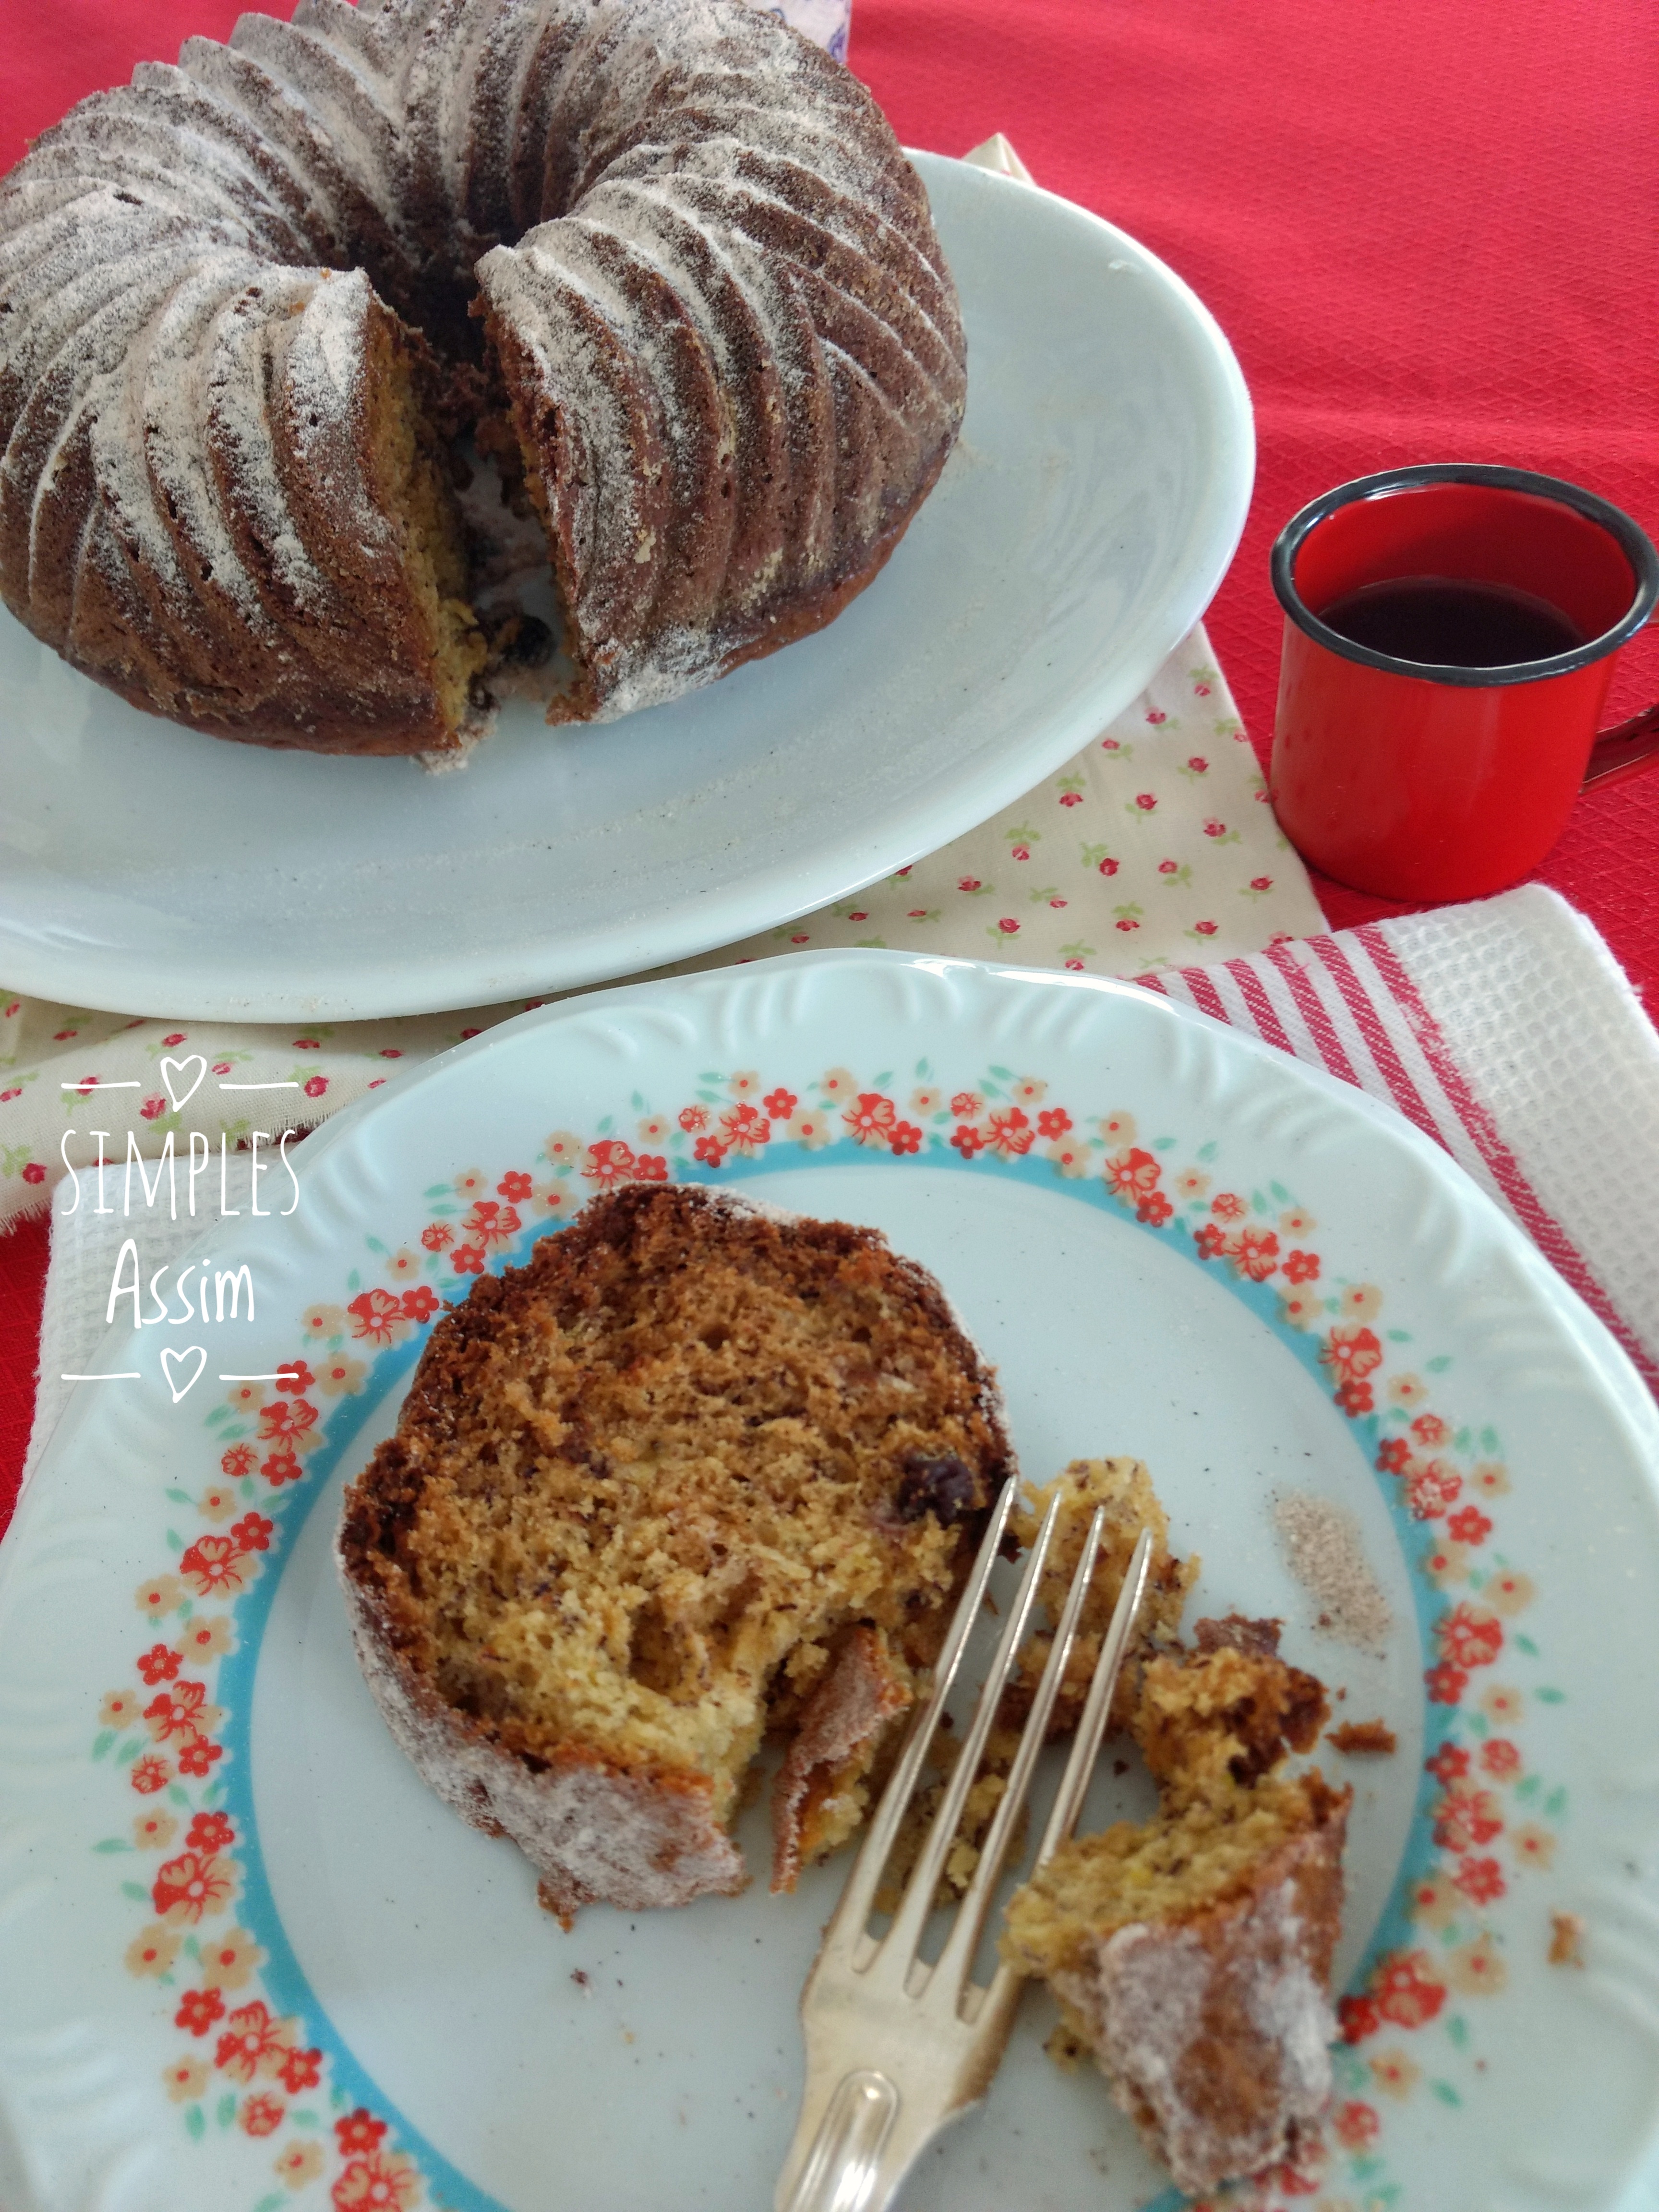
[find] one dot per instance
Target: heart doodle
(169, 1067)
(170, 1358)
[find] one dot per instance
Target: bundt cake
(1192, 1953)
(698, 1472)
(660, 262)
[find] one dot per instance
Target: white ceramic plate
(1080, 530)
(1065, 1153)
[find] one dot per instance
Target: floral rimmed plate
(246, 1960)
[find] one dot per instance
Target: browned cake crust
(1212, 2029)
(1192, 1954)
(666, 256)
(696, 1471)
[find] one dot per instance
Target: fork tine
(1080, 1766)
(854, 1910)
(957, 1957)
(900, 1943)
(1085, 1744)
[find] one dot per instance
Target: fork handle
(842, 2169)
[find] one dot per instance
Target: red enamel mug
(1409, 766)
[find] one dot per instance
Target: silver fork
(896, 2048)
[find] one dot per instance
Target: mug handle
(1626, 750)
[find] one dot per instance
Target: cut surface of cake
(1192, 1953)
(697, 1472)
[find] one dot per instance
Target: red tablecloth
(1430, 232)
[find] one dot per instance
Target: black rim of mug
(1631, 539)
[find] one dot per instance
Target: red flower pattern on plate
(1470, 1637)
(1009, 1132)
(870, 1117)
(1254, 1253)
(1430, 1487)
(192, 1886)
(1481, 1880)
(1131, 1174)
(211, 1832)
(1405, 1991)
(199, 2009)
(1450, 1762)
(251, 2043)
(1465, 1818)
(386, 2182)
(1468, 1526)
(375, 1317)
(359, 2131)
(287, 1416)
(490, 1222)
(174, 1711)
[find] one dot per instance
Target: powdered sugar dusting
(1156, 2000)
(746, 342)
(1325, 1551)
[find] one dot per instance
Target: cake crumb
(1324, 1551)
(582, 1978)
(1068, 2049)
(1566, 1939)
(1363, 1740)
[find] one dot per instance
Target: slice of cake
(1192, 1953)
(698, 1472)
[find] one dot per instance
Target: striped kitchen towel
(1507, 1032)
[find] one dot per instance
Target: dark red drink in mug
(1408, 760)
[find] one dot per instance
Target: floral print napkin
(1154, 848)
